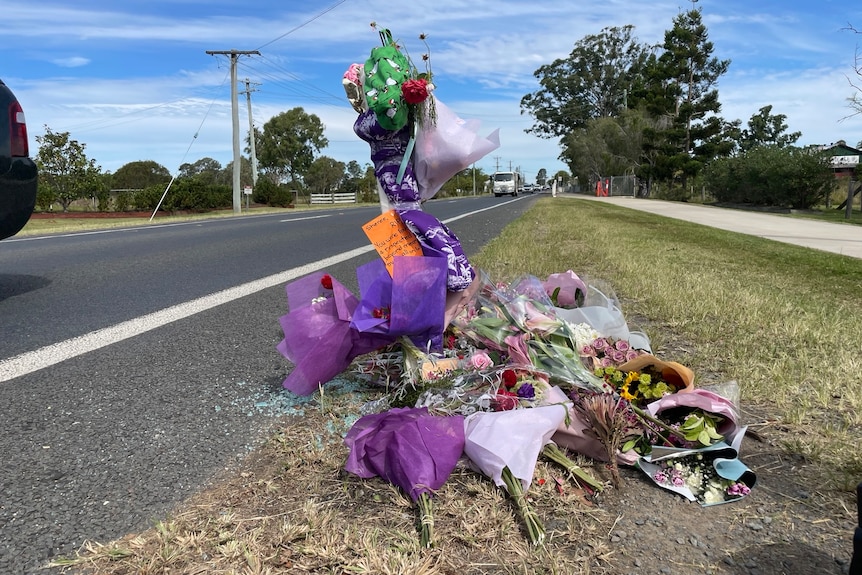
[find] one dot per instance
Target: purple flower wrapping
(415, 296)
(388, 149)
(318, 338)
(407, 447)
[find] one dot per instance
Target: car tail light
(18, 131)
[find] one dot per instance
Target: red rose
(380, 313)
(415, 91)
(509, 379)
(505, 400)
(326, 281)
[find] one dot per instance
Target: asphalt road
(136, 365)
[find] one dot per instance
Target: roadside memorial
(483, 375)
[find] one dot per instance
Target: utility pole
(234, 106)
(248, 92)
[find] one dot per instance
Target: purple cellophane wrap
(415, 296)
(318, 338)
(514, 439)
(388, 149)
(407, 447)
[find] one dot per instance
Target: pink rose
(617, 356)
(481, 360)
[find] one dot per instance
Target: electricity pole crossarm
(234, 55)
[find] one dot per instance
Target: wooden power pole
(234, 105)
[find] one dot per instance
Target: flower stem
(535, 529)
(426, 520)
(644, 415)
(555, 454)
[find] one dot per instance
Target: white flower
(713, 495)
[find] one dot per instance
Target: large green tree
(288, 143)
(324, 175)
(65, 172)
(205, 169)
(139, 175)
(766, 129)
(681, 88)
(606, 147)
(595, 81)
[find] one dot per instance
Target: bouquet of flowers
(519, 321)
(702, 476)
(505, 445)
(645, 379)
(603, 352)
(409, 448)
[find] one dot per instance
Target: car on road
(18, 173)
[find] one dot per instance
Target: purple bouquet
(409, 448)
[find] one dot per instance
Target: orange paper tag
(391, 237)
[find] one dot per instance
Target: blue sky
(132, 79)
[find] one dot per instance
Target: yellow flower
(624, 393)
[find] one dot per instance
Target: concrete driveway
(844, 239)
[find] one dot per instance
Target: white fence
(333, 198)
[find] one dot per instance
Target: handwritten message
(391, 237)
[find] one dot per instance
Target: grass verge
(783, 321)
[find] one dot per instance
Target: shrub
(770, 176)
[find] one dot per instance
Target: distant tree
(351, 182)
(562, 177)
(606, 147)
(139, 175)
(764, 129)
(287, 145)
(593, 82)
(369, 185)
(225, 176)
(206, 170)
(324, 175)
(65, 169)
(541, 176)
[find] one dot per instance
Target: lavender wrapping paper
(318, 338)
(514, 439)
(407, 447)
(415, 296)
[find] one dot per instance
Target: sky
(133, 81)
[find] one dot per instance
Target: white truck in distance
(506, 183)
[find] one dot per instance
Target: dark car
(18, 172)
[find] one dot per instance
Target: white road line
(58, 352)
(306, 218)
(55, 353)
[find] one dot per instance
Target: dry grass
(780, 320)
(299, 512)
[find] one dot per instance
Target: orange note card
(391, 237)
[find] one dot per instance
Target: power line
(330, 9)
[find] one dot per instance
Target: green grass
(783, 321)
